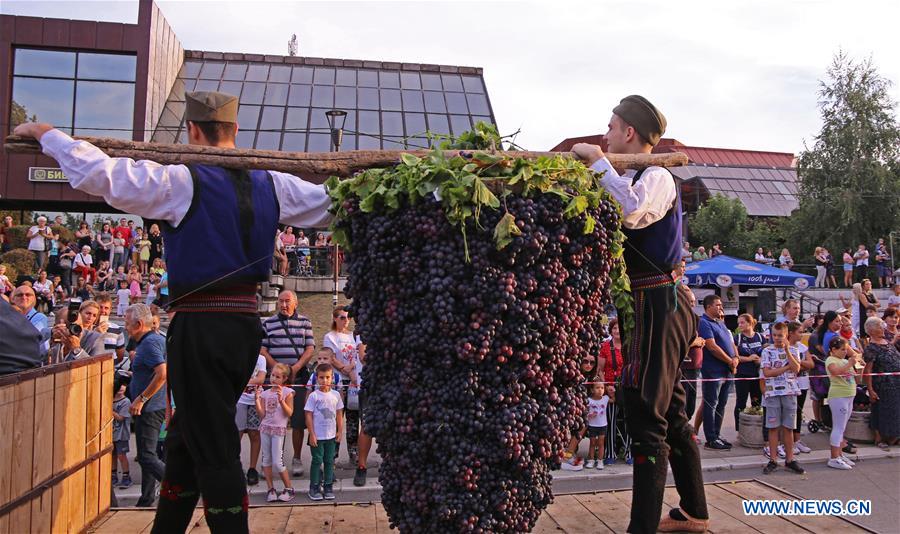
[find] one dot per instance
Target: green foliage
(483, 136)
(18, 261)
(719, 220)
(16, 236)
(849, 178)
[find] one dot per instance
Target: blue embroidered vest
(656, 247)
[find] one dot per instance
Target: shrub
(17, 235)
(18, 261)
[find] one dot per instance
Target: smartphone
(104, 319)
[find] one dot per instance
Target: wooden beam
(320, 163)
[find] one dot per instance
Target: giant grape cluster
(472, 378)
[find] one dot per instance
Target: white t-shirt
(597, 411)
(37, 242)
(249, 398)
(862, 258)
(324, 407)
(83, 260)
(344, 347)
(894, 300)
(802, 376)
(124, 295)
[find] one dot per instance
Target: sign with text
(46, 174)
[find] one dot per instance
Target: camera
(75, 329)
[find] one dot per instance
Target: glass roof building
(129, 80)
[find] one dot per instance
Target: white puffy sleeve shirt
(644, 202)
(164, 192)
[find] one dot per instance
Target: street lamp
(336, 119)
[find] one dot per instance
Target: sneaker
(767, 453)
(271, 495)
(771, 466)
(359, 479)
(800, 446)
(572, 464)
(781, 453)
(629, 461)
(848, 461)
(609, 461)
(599, 465)
(115, 478)
(329, 493)
(795, 467)
(125, 483)
(252, 477)
(796, 450)
(716, 444)
(287, 495)
(726, 442)
(839, 463)
(297, 467)
(315, 495)
(589, 464)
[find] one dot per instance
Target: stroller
(819, 384)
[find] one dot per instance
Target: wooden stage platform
(586, 512)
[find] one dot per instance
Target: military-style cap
(210, 106)
(643, 116)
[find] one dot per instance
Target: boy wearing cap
(214, 339)
(665, 325)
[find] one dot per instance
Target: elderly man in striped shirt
(289, 340)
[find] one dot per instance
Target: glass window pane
(432, 82)
(207, 85)
(49, 100)
(107, 67)
(460, 123)
(345, 97)
(235, 71)
(323, 96)
(268, 140)
(368, 78)
(478, 104)
(389, 79)
(258, 72)
(272, 118)
(434, 102)
(248, 117)
(212, 70)
(190, 69)
(177, 93)
(276, 93)
(297, 119)
(473, 84)
(393, 143)
(477, 118)
(245, 138)
(302, 75)
(300, 95)
(390, 99)
(368, 98)
(324, 76)
(318, 121)
(319, 142)
(190, 84)
(253, 93)
(452, 82)
(456, 103)
(294, 142)
(392, 123)
(231, 88)
(45, 63)
(369, 142)
(104, 108)
(415, 123)
(369, 122)
(350, 123)
(348, 142)
(412, 101)
(438, 123)
(346, 77)
(410, 80)
(280, 73)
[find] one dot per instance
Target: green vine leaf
(505, 230)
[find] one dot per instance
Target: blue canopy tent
(725, 271)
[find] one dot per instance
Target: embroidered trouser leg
(210, 356)
(655, 404)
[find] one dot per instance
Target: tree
(850, 178)
(719, 220)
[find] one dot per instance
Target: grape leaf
(505, 230)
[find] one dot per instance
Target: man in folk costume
(218, 227)
(654, 398)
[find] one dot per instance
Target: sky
(731, 74)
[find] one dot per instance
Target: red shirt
(123, 232)
(613, 367)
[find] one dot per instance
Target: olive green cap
(210, 106)
(643, 116)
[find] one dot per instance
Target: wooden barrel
(750, 433)
(56, 451)
(858, 430)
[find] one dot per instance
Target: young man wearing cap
(664, 324)
(214, 339)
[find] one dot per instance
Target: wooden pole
(321, 163)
